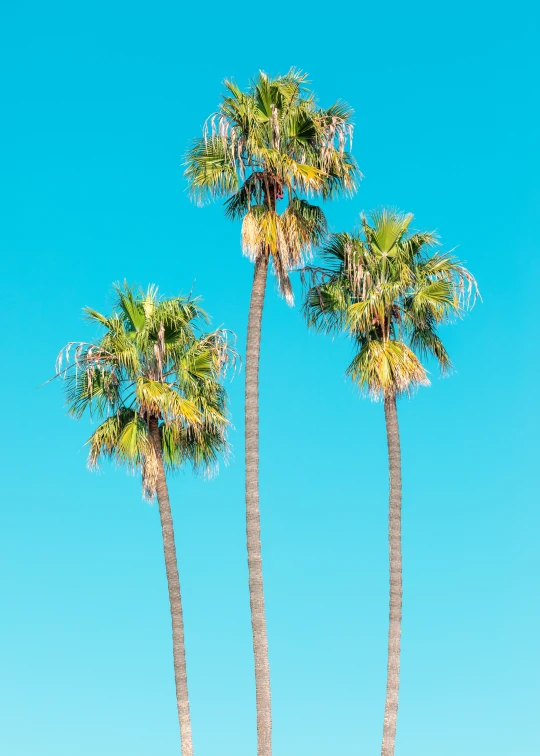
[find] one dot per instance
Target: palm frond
(381, 368)
(211, 168)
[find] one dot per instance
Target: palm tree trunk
(171, 567)
(396, 592)
(253, 521)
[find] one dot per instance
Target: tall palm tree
(153, 378)
(265, 151)
(389, 291)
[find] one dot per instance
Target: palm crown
(390, 291)
(269, 144)
(152, 364)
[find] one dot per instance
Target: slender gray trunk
(253, 520)
(396, 591)
(173, 581)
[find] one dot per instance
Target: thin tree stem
(173, 581)
(396, 591)
(253, 526)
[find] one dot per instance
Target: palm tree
(263, 150)
(389, 291)
(153, 379)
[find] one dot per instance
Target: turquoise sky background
(99, 102)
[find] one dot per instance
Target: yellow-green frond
(383, 368)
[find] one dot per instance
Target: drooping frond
(306, 228)
(288, 238)
(326, 304)
(93, 387)
(122, 437)
(211, 169)
(426, 342)
(383, 367)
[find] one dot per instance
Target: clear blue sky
(99, 101)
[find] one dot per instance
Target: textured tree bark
(396, 591)
(171, 567)
(253, 526)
